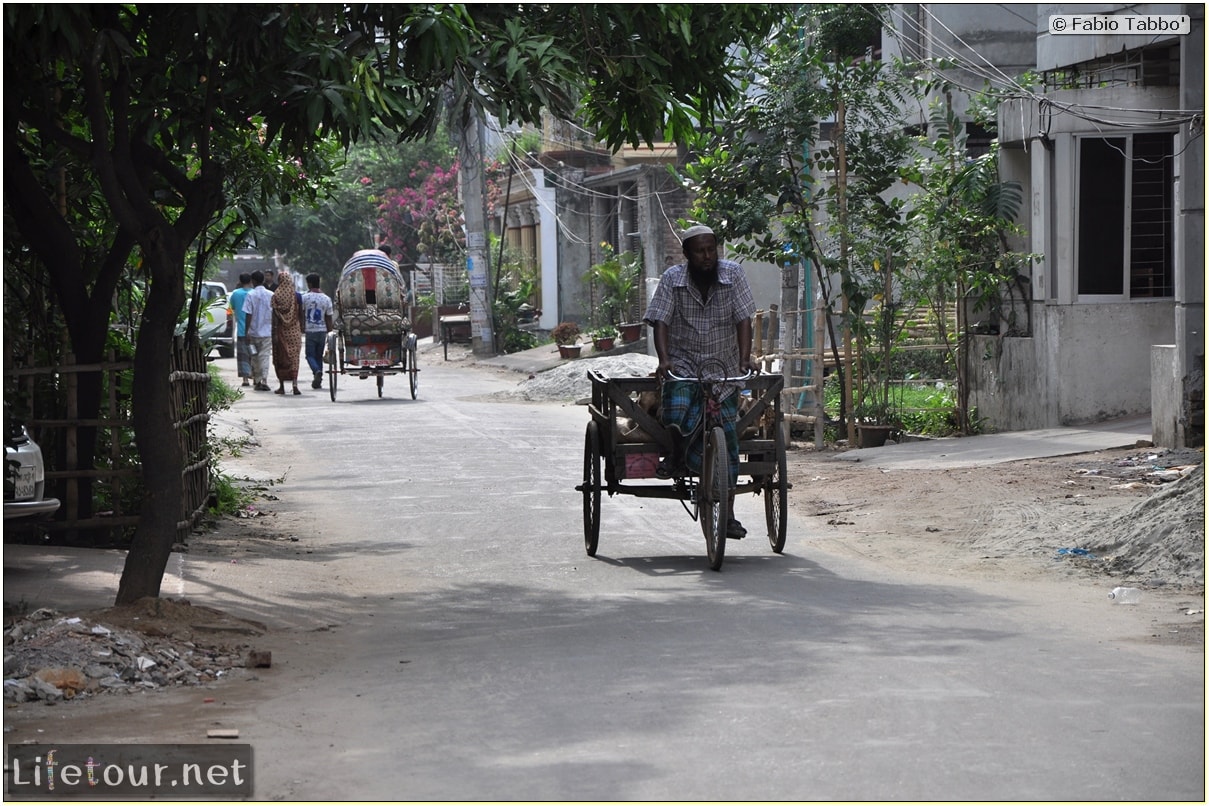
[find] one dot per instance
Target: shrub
(565, 333)
(221, 393)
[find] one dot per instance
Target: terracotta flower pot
(630, 332)
(602, 345)
(569, 350)
(872, 436)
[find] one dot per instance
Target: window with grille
(1125, 216)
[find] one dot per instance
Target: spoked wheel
(591, 488)
(714, 495)
(776, 498)
(381, 380)
(413, 371)
(334, 347)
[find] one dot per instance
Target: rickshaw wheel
(714, 495)
(591, 488)
(381, 379)
(332, 375)
(413, 377)
(776, 498)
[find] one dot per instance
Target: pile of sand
(1162, 536)
(568, 382)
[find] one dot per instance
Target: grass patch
(928, 409)
(229, 497)
(222, 395)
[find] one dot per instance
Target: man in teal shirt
(243, 357)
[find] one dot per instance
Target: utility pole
(474, 209)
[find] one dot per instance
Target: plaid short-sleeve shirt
(702, 329)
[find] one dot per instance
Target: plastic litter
(1125, 596)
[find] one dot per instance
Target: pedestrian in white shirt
(258, 306)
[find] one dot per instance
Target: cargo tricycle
(625, 442)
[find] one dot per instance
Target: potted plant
(874, 411)
(566, 336)
(603, 337)
(616, 278)
(630, 331)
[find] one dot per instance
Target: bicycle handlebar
(745, 377)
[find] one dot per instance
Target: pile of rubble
(51, 657)
(1148, 470)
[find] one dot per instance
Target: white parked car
(215, 320)
(24, 477)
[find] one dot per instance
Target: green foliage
(320, 236)
(426, 303)
(657, 71)
(229, 497)
(603, 332)
(847, 31)
(509, 308)
(614, 282)
(959, 250)
(927, 409)
(222, 394)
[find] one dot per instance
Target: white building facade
(1110, 149)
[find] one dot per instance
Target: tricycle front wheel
(714, 496)
(591, 488)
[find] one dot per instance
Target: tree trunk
(158, 444)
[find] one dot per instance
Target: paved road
(477, 653)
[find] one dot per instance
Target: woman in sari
(288, 329)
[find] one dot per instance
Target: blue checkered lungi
(682, 406)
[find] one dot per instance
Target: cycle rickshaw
(372, 337)
(627, 438)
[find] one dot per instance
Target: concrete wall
(1164, 396)
(1190, 244)
(1083, 364)
(575, 213)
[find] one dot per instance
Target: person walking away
(258, 308)
(243, 358)
(317, 312)
(701, 314)
(288, 327)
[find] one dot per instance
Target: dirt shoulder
(1128, 517)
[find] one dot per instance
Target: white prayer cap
(693, 232)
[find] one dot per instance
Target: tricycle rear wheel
(334, 354)
(591, 488)
(413, 377)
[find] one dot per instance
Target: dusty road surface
(416, 571)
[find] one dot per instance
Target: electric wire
(935, 44)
